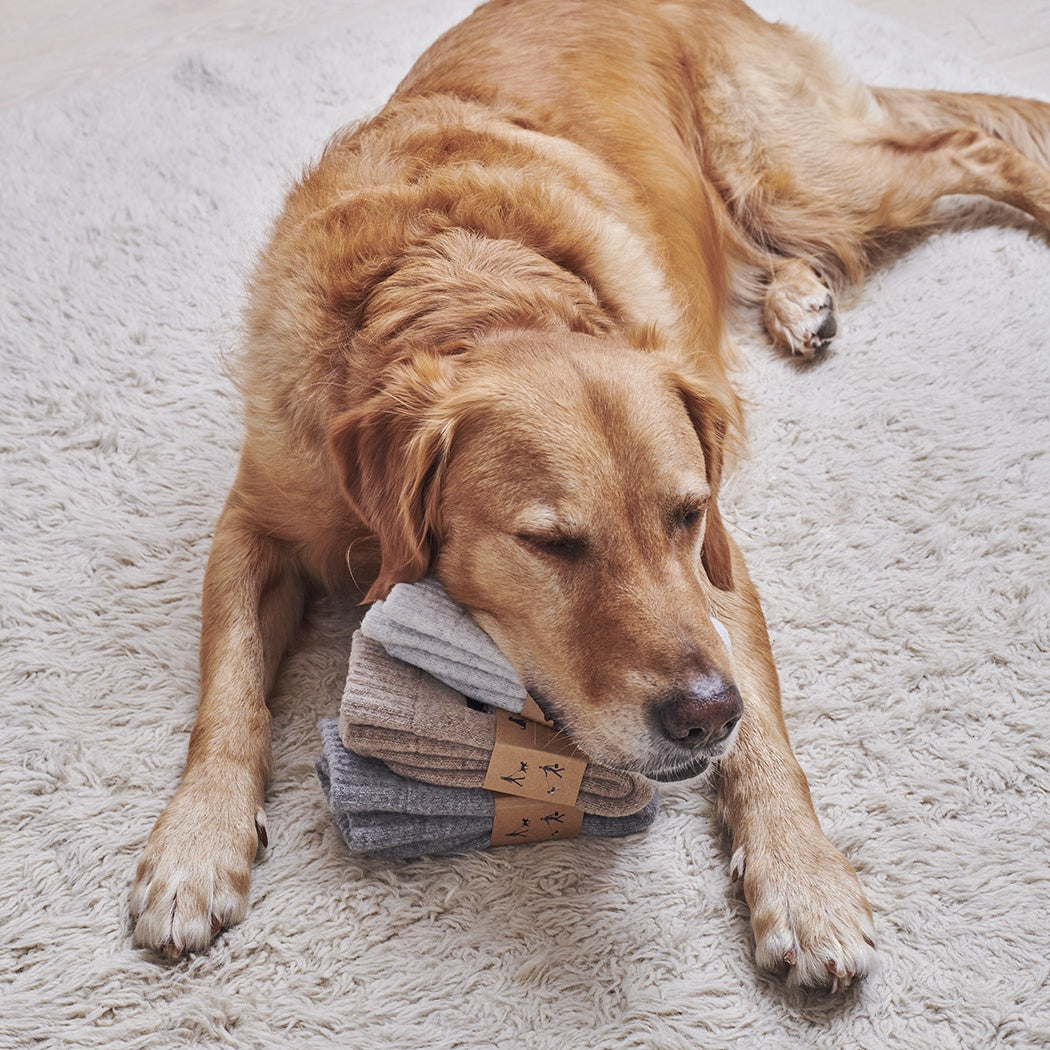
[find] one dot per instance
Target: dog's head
(564, 489)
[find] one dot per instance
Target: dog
(488, 340)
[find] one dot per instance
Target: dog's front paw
(809, 915)
(799, 311)
(193, 877)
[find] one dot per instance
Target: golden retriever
(488, 340)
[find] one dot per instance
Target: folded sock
(420, 624)
(381, 814)
(425, 730)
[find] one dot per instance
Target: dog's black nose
(703, 713)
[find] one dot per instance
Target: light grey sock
(420, 624)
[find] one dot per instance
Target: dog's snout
(703, 713)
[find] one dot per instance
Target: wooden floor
(50, 46)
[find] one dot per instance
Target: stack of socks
(404, 764)
(382, 814)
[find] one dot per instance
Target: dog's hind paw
(809, 916)
(799, 311)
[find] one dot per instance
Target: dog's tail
(1025, 123)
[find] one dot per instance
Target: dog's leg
(193, 877)
(1025, 123)
(808, 913)
(920, 168)
(799, 310)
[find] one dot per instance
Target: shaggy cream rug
(896, 513)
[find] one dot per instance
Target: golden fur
(489, 340)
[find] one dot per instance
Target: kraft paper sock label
(517, 820)
(534, 761)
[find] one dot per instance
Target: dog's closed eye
(688, 514)
(562, 545)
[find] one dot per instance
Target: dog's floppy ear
(390, 453)
(714, 418)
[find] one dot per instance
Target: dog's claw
(840, 978)
(736, 866)
(260, 829)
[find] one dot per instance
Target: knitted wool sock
(420, 624)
